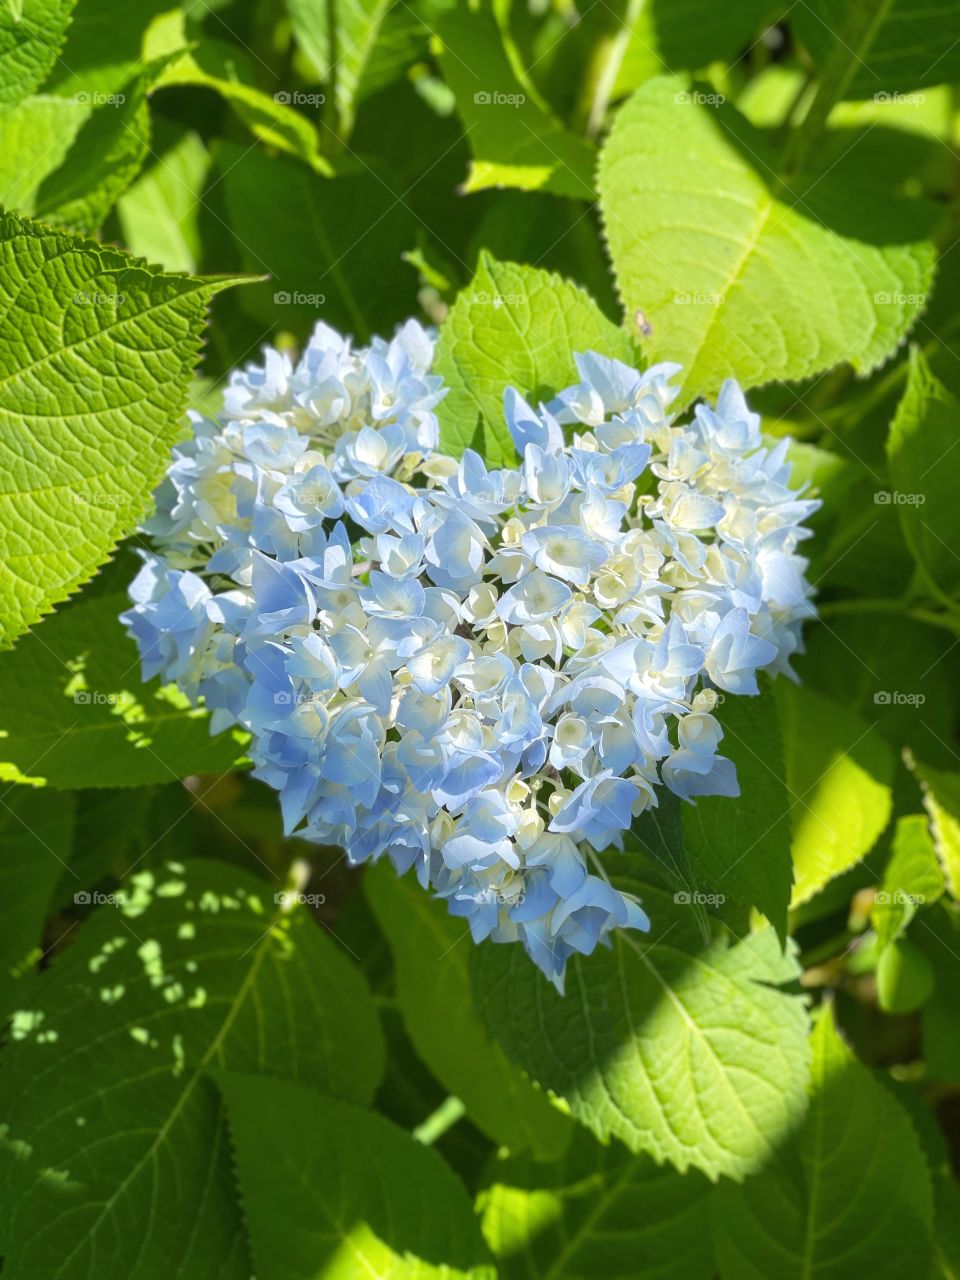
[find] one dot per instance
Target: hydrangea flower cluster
(486, 675)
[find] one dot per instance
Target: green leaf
(31, 34)
(911, 878)
(598, 1211)
(904, 977)
(98, 351)
(35, 846)
(922, 437)
(333, 247)
(514, 326)
(848, 1194)
(160, 213)
(211, 64)
(941, 799)
(743, 849)
(121, 1163)
(105, 156)
(738, 274)
(105, 46)
(514, 139)
(431, 952)
(339, 40)
(937, 932)
(678, 1047)
(877, 46)
(329, 1189)
(839, 779)
(75, 713)
(35, 136)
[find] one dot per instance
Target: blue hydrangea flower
(484, 675)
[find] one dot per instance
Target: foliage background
(203, 1078)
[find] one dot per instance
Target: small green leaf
(339, 40)
(514, 326)
(680, 1048)
(904, 977)
(849, 1193)
(95, 361)
(598, 1211)
(738, 274)
(514, 139)
(839, 780)
(329, 1190)
(123, 1165)
(75, 713)
(941, 799)
(160, 213)
(920, 447)
(431, 951)
(912, 878)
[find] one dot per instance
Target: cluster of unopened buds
(485, 675)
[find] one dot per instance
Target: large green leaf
(513, 326)
(678, 1047)
(598, 1211)
(742, 850)
(35, 848)
(514, 139)
(330, 1190)
(75, 713)
(95, 358)
(937, 933)
(31, 34)
(331, 247)
(116, 1156)
(880, 46)
(739, 274)
(848, 1194)
(920, 447)
(431, 951)
(839, 779)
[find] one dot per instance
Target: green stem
(439, 1121)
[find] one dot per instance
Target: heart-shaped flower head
(484, 675)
